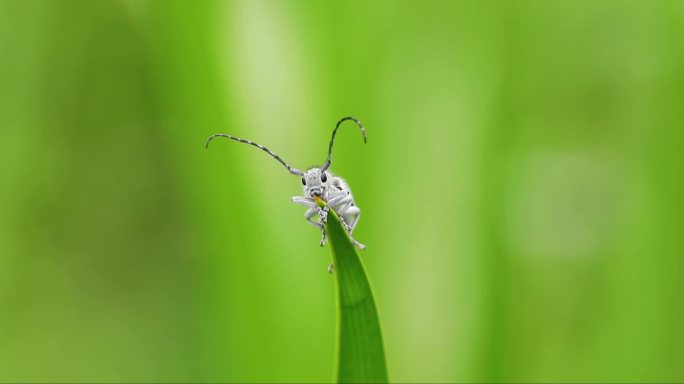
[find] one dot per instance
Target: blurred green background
(521, 187)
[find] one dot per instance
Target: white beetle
(320, 183)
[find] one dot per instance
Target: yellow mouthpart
(319, 201)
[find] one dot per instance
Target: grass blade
(360, 352)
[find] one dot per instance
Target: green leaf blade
(360, 351)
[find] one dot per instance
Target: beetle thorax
(316, 183)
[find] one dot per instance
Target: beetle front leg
(305, 201)
(319, 224)
(310, 213)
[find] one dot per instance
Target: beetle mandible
(320, 183)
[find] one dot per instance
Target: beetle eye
(324, 178)
(303, 181)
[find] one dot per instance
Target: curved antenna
(332, 140)
(292, 170)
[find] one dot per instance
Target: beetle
(320, 183)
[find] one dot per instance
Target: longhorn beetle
(319, 183)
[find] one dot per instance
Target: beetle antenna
(292, 170)
(332, 140)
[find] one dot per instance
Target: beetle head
(316, 182)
